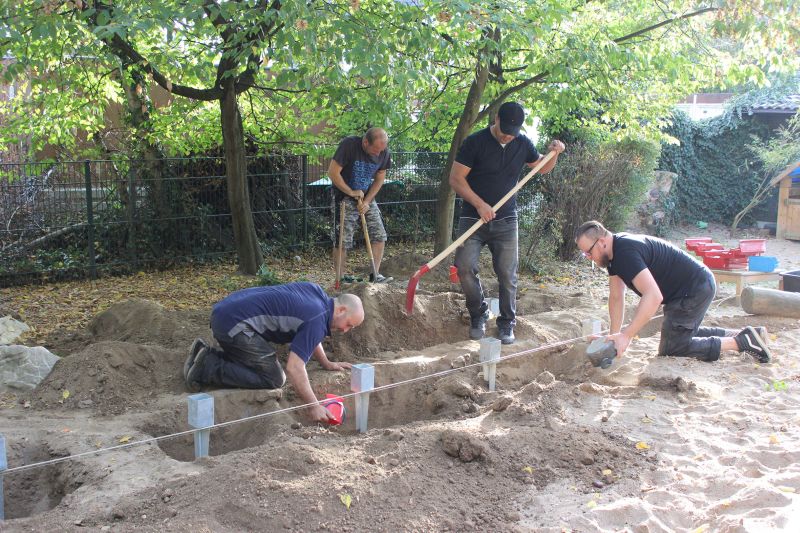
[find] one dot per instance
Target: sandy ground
(651, 444)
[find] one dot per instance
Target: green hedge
(717, 172)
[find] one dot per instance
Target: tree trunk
(445, 204)
(244, 233)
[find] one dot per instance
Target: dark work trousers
(245, 361)
(501, 238)
(681, 333)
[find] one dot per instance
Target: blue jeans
(501, 237)
(246, 361)
(681, 333)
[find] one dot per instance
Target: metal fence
(86, 218)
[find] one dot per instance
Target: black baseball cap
(511, 117)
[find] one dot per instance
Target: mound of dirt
(145, 322)
(436, 319)
(110, 377)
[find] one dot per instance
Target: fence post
(132, 255)
(304, 164)
(87, 173)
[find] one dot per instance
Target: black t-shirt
(495, 169)
(673, 269)
(358, 167)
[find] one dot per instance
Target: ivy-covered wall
(717, 172)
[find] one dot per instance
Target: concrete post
(494, 306)
(362, 380)
(3, 468)
(201, 415)
(489, 351)
(591, 326)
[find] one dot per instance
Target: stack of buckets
(746, 256)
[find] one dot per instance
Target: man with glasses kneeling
(660, 273)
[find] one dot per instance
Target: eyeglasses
(588, 253)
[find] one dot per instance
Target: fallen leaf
(65, 394)
(773, 439)
(784, 488)
(528, 469)
(641, 445)
(125, 439)
(650, 397)
(607, 472)
(592, 504)
(647, 420)
(346, 499)
(701, 529)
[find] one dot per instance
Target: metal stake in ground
(201, 415)
(3, 467)
(362, 381)
(366, 240)
(341, 246)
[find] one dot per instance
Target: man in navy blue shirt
(248, 322)
(486, 168)
(662, 274)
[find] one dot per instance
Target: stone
(502, 403)
(23, 368)
(11, 330)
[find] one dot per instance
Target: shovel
(424, 269)
(341, 245)
(369, 244)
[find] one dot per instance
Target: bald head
(375, 141)
(348, 312)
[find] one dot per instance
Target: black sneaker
(197, 345)
(749, 341)
(196, 371)
(380, 278)
(477, 326)
(506, 334)
(762, 332)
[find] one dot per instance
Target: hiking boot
(750, 342)
(506, 334)
(197, 345)
(380, 278)
(196, 370)
(477, 326)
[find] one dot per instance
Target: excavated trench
(35, 491)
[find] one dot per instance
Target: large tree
(618, 65)
(297, 64)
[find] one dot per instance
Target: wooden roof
(788, 170)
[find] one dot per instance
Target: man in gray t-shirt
(357, 171)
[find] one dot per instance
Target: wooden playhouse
(788, 202)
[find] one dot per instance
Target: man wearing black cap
(487, 167)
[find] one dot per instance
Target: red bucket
(335, 404)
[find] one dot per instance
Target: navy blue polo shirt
(673, 269)
(296, 313)
(494, 169)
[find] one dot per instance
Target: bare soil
(651, 444)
